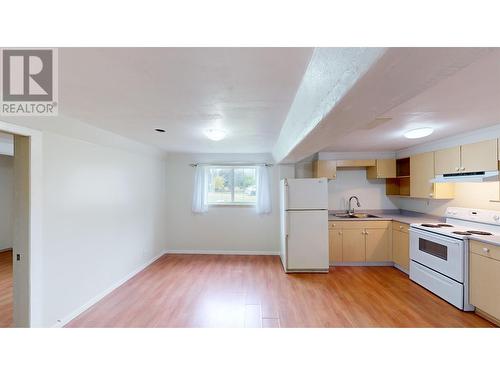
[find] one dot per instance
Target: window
(232, 185)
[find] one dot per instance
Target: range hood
(467, 177)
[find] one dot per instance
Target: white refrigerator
(304, 224)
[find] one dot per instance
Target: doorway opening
(6, 228)
(20, 226)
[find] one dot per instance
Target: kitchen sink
(356, 216)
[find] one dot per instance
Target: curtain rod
(231, 164)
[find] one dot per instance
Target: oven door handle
(439, 238)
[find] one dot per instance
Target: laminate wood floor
(253, 291)
(6, 289)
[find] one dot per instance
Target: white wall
(353, 181)
(6, 201)
(103, 217)
(222, 229)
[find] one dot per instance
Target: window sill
(231, 205)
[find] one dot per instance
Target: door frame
(34, 250)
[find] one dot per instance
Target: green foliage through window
(232, 185)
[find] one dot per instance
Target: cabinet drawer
(485, 249)
(365, 224)
(400, 227)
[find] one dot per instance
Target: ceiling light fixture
(160, 130)
(418, 133)
(215, 134)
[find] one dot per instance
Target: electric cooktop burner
(470, 232)
(437, 225)
(480, 232)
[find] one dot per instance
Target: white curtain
(200, 203)
(263, 190)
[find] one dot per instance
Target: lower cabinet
(378, 245)
(484, 283)
(360, 241)
(401, 245)
(335, 240)
(353, 245)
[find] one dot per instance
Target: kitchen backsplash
(371, 193)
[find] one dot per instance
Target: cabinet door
(485, 284)
(378, 245)
(481, 156)
(401, 252)
(384, 168)
(421, 171)
(447, 160)
(335, 236)
(325, 168)
(353, 245)
(395, 243)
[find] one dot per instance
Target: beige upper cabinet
(481, 156)
(473, 157)
(422, 170)
(325, 168)
(447, 160)
(384, 168)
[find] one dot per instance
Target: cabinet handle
(400, 227)
(340, 233)
(462, 169)
(457, 169)
(486, 250)
(431, 195)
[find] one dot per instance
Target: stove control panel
(473, 214)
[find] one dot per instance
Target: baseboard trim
(401, 269)
(363, 264)
(488, 317)
(222, 252)
(62, 322)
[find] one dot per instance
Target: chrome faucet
(350, 210)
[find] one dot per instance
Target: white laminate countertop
(492, 240)
(409, 217)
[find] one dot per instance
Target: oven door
(443, 254)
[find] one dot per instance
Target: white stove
(439, 252)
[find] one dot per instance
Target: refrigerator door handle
(287, 195)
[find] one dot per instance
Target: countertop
(409, 217)
(403, 216)
(492, 240)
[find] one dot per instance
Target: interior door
(307, 243)
(306, 194)
(21, 241)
